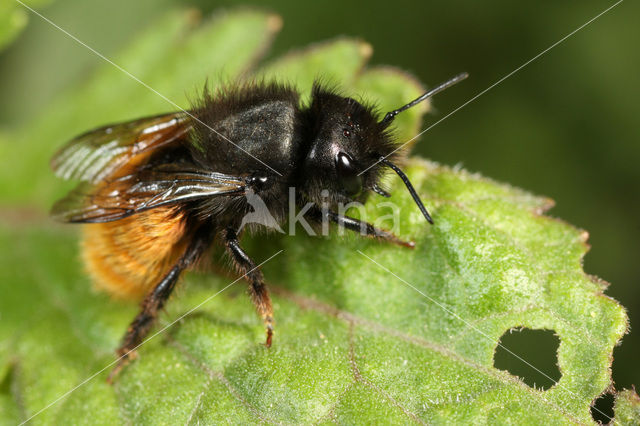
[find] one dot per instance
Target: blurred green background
(564, 126)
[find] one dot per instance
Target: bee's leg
(257, 288)
(356, 225)
(155, 300)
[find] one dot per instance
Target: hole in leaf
(602, 410)
(537, 350)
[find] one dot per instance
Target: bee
(157, 192)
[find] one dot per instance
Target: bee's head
(350, 148)
(345, 139)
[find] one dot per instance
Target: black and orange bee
(156, 192)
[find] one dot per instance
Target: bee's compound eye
(348, 174)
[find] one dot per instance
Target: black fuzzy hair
(233, 98)
(368, 140)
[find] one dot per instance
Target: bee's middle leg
(257, 288)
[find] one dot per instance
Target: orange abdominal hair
(129, 256)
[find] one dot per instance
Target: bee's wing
(118, 198)
(98, 154)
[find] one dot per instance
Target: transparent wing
(143, 190)
(98, 154)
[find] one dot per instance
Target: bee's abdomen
(128, 257)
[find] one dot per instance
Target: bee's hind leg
(257, 288)
(155, 300)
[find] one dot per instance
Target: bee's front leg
(356, 225)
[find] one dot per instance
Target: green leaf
(366, 332)
(627, 408)
(14, 18)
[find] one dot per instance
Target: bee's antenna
(412, 191)
(388, 118)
